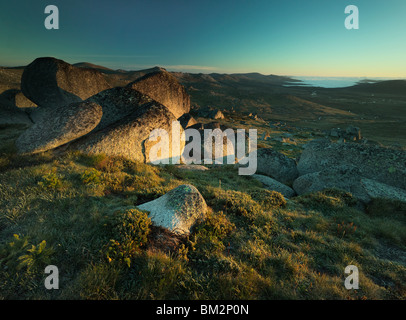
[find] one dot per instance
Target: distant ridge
(88, 65)
(384, 86)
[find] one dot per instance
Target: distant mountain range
(271, 97)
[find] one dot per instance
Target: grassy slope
(252, 246)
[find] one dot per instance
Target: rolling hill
(378, 108)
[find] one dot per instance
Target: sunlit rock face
(130, 136)
(164, 88)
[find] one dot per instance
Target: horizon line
(184, 68)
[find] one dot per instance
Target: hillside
(78, 190)
(254, 244)
(376, 107)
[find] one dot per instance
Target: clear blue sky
(301, 37)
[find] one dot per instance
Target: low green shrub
(91, 177)
(327, 199)
(19, 254)
(268, 198)
(208, 235)
(51, 180)
(235, 202)
(130, 230)
(21, 265)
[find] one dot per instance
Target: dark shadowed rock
(178, 210)
(351, 133)
(347, 178)
(209, 112)
(342, 177)
(273, 185)
(18, 99)
(10, 114)
(187, 120)
(51, 82)
(374, 162)
(129, 137)
(276, 165)
(164, 88)
(376, 189)
(62, 125)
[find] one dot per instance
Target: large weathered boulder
(51, 82)
(376, 189)
(273, 185)
(374, 162)
(341, 177)
(164, 88)
(118, 103)
(178, 210)
(61, 125)
(347, 178)
(276, 165)
(130, 136)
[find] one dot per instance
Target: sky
(295, 38)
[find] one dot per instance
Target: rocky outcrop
(209, 112)
(165, 89)
(62, 125)
(178, 210)
(217, 115)
(276, 165)
(341, 177)
(381, 164)
(114, 121)
(50, 82)
(273, 185)
(129, 137)
(376, 189)
(351, 133)
(347, 178)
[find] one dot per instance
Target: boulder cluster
(351, 133)
(366, 171)
(79, 110)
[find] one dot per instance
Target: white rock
(177, 210)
